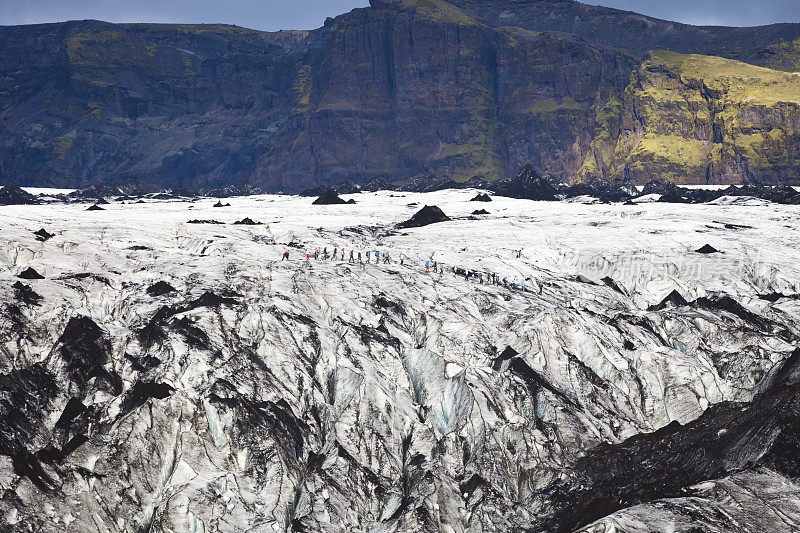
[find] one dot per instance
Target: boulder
(247, 221)
(330, 198)
(43, 235)
(707, 249)
(483, 197)
(430, 214)
(29, 273)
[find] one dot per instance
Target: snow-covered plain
(327, 396)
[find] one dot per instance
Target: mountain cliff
(396, 90)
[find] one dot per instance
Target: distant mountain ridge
(400, 89)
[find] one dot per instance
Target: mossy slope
(705, 119)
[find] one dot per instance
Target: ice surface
(379, 385)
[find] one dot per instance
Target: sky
(307, 14)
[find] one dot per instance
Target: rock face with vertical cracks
(436, 89)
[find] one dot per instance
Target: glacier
(648, 388)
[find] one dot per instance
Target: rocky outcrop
(430, 214)
(331, 198)
(701, 119)
(529, 185)
(13, 195)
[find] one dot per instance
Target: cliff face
(403, 88)
(176, 105)
(702, 119)
(430, 89)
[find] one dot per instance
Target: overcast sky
(306, 14)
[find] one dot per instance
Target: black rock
(96, 192)
(160, 288)
(198, 221)
(231, 190)
(14, 195)
(43, 235)
(725, 439)
(183, 192)
(429, 184)
(316, 191)
(378, 184)
(474, 183)
(527, 185)
(669, 191)
(707, 249)
(25, 294)
(247, 221)
(430, 214)
(29, 273)
(95, 207)
(481, 198)
(480, 212)
(673, 299)
(329, 198)
(604, 190)
(346, 187)
(220, 204)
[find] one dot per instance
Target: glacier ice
(264, 395)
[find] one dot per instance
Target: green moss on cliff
(301, 89)
(440, 11)
(544, 107)
(62, 146)
(739, 81)
(102, 52)
(600, 155)
(690, 118)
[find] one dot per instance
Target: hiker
(359, 257)
(285, 256)
(385, 258)
(308, 256)
(427, 266)
(367, 256)
(377, 256)
(541, 286)
(522, 285)
(335, 252)
(325, 254)
(352, 258)
(342, 254)
(505, 282)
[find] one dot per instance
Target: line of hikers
(352, 258)
(488, 278)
